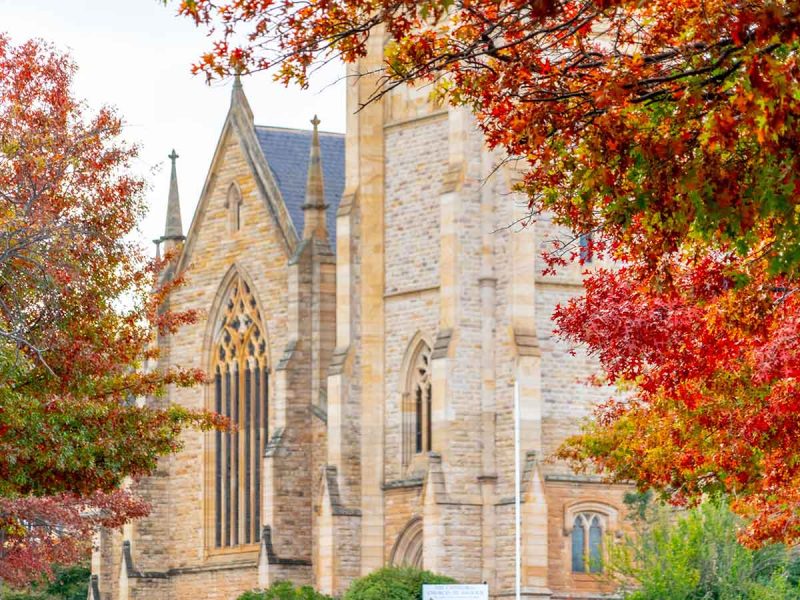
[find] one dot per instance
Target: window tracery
(241, 393)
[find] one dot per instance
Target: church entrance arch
(407, 550)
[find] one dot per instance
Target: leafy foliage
(712, 374)
(669, 131)
(660, 123)
(78, 320)
(695, 555)
(69, 583)
(393, 583)
(284, 590)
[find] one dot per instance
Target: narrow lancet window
(417, 409)
(234, 205)
(241, 393)
(595, 546)
(578, 536)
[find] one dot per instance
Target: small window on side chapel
(587, 543)
(417, 430)
(233, 203)
(241, 393)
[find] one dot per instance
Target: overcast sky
(136, 55)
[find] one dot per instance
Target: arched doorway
(407, 550)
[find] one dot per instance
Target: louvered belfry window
(241, 393)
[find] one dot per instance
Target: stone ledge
(410, 291)
(132, 572)
(231, 566)
(435, 115)
(288, 353)
(274, 443)
(442, 344)
(346, 205)
(338, 509)
(570, 478)
(274, 559)
(396, 484)
(320, 413)
(338, 360)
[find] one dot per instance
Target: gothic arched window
(417, 429)
(234, 204)
(587, 543)
(241, 393)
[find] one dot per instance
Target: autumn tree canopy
(669, 130)
(78, 315)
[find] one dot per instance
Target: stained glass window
(578, 536)
(587, 543)
(241, 393)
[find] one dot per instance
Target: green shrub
(694, 555)
(69, 583)
(393, 583)
(284, 590)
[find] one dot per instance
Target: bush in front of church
(69, 583)
(284, 590)
(393, 583)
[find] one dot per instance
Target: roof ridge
(298, 130)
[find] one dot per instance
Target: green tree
(79, 314)
(393, 583)
(69, 583)
(284, 590)
(695, 555)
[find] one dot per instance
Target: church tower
(441, 312)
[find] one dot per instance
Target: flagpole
(517, 515)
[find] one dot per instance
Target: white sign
(451, 592)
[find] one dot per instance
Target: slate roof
(287, 153)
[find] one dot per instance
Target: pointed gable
(287, 153)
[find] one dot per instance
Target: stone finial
(173, 232)
(314, 207)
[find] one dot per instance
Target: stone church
(368, 302)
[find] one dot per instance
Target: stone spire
(239, 101)
(314, 208)
(173, 232)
